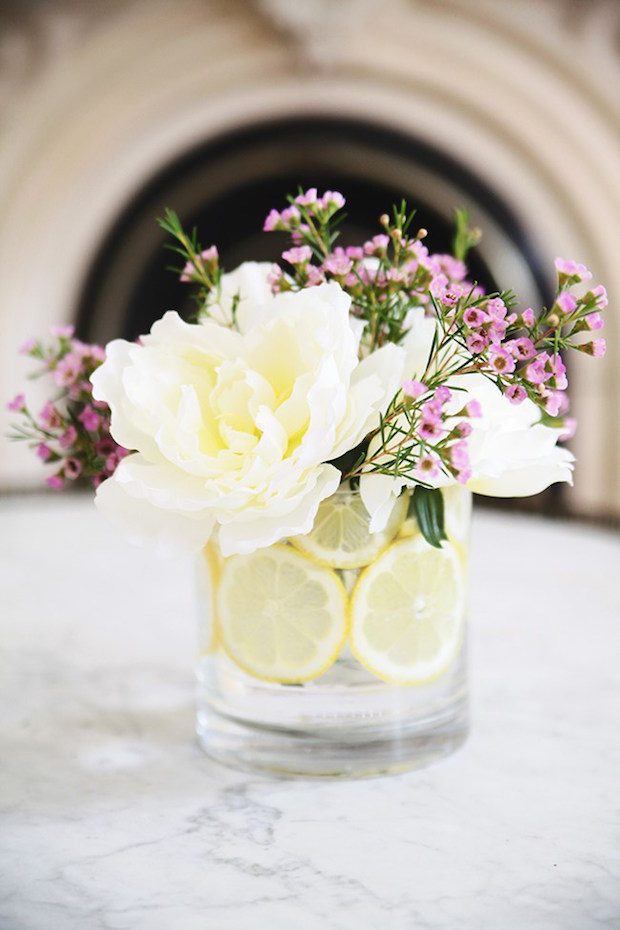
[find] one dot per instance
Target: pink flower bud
(18, 404)
(413, 388)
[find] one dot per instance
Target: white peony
(511, 453)
(234, 429)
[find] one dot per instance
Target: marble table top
(112, 819)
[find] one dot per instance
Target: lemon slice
(281, 616)
(340, 537)
(208, 574)
(407, 612)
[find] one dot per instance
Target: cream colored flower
(236, 429)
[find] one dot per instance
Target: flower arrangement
(315, 434)
(377, 365)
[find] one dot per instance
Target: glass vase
(341, 653)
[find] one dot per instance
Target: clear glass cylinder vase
(341, 653)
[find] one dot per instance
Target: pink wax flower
(209, 257)
(599, 294)
(455, 269)
(298, 256)
(17, 404)
(377, 245)
(314, 276)
(450, 298)
(290, 216)
(354, 252)
(49, 417)
(572, 269)
(429, 430)
(528, 317)
(596, 348)
(566, 302)
(438, 285)
(55, 481)
(68, 369)
(594, 321)
(96, 352)
(536, 372)
(105, 447)
(475, 317)
(332, 200)
(554, 403)
(476, 343)
(90, 419)
(274, 277)
(474, 408)
(72, 468)
(522, 348)
(307, 199)
(501, 361)
(63, 332)
(27, 346)
(516, 393)
(68, 437)
(496, 309)
(272, 221)
(497, 330)
(427, 467)
(464, 429)
(414, 388)
(569, 429)
(43, 451)
(338, 263)
(459, 457)
(443, 394)
(558, 370)
(431, 410)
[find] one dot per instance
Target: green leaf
(427, 504)
(465, 236)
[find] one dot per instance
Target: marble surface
(112, 819)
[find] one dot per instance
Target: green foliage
(204, 275)
(428, 509)
(465, 236)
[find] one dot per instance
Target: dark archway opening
(227, 187)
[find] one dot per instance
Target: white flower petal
(291, 518)
(166, 531)
(511, 453)
(374, 383)
(249, 285)
(379, 494)
(418, 341)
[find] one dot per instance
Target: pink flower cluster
(71, 431)
(393, 271)
(515, 348)
(292, 218)
(208, 259)
(390, 267)
(442, 434)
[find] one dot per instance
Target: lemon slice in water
(407, 612)
(340, 536)
(281, 617)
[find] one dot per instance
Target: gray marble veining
(112, 819)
